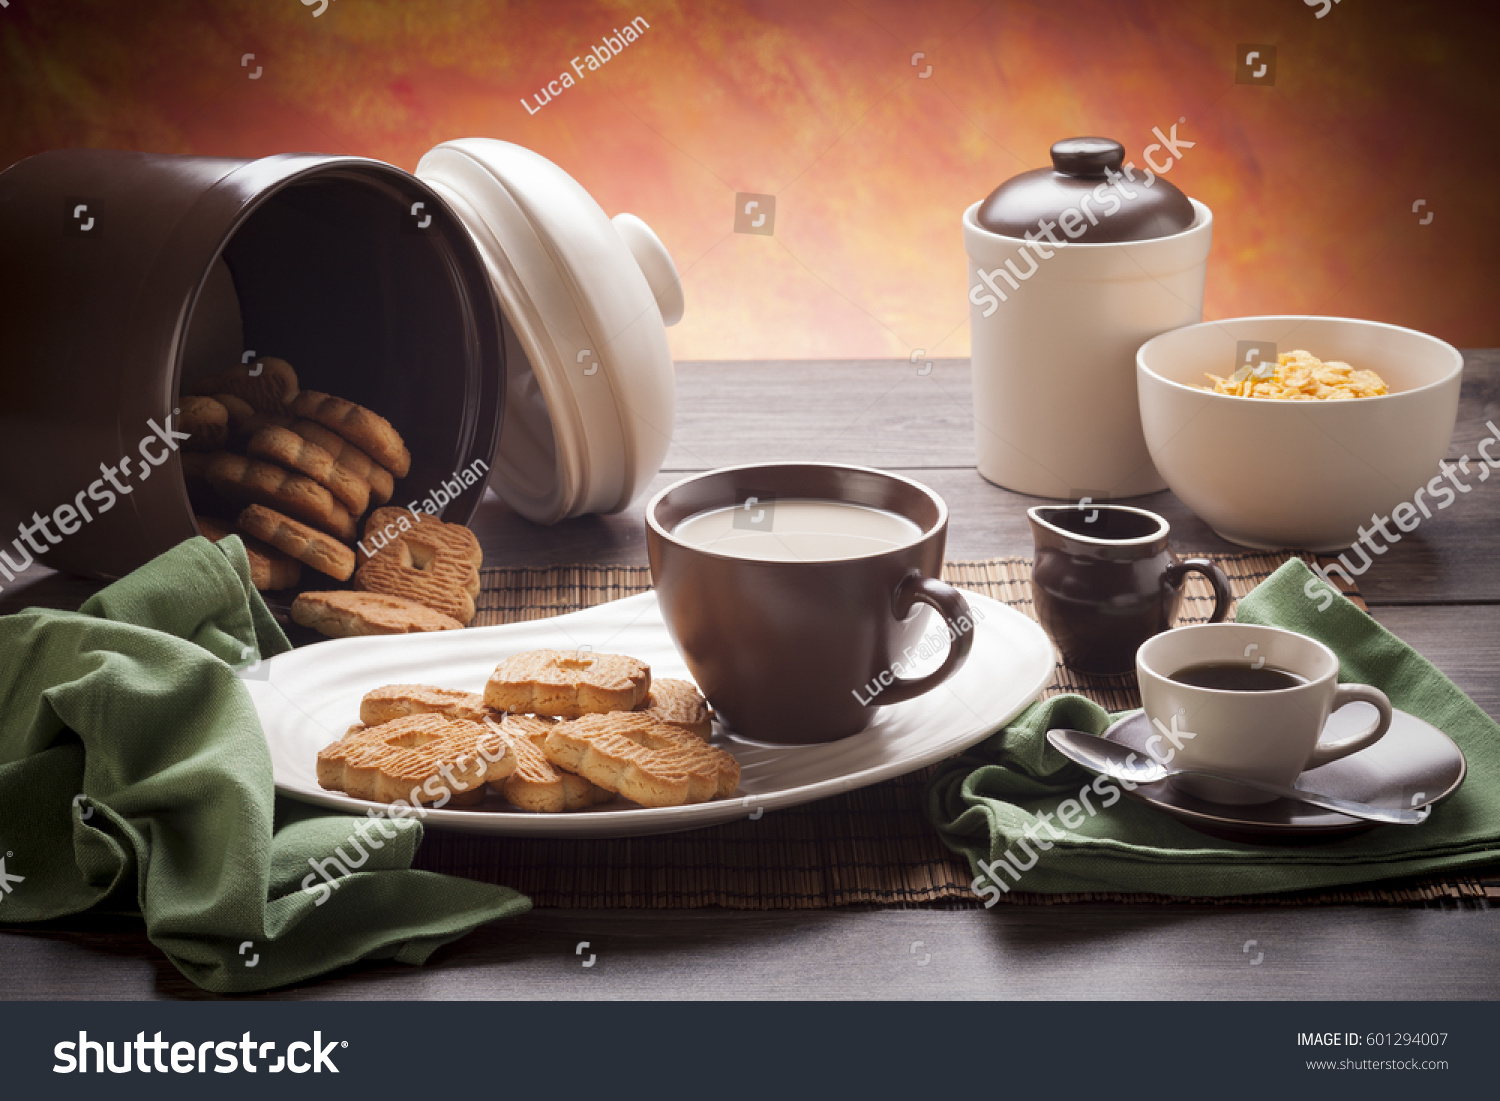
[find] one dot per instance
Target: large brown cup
(1104, 581)
(804, 651)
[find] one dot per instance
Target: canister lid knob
(1092, 194)
(1087, 157)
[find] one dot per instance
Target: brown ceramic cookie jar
(486, 305)
(123, 275)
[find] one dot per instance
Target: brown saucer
(1414, 765)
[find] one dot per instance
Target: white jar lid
(590, 387)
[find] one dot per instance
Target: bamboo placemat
(873, 846)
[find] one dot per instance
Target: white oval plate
(307, 698)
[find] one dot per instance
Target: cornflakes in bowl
(1299, 376)
(1309, 470)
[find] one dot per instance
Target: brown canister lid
(1109, 200)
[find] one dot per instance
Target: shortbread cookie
(405, 569)
(214, 530)
(268, 384)
(382, 485)
(245, 420)
(396, 701)
(206, 422)
(269, 568)
(567, 684)
(257, 421)
(535, 728)
(419, 759)
(421, 558)
(370, 432)
(308, 545)
(654, 763)
(239, 411)
(456, 798)
(680, 703)
(283, 446)
(342, 613)
(461, 554)
(246, 480)
(537, 784)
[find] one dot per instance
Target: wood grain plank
(1084, 951)
(1463, 642)
(867, 412)
(885, 413)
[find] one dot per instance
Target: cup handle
(1354, 693)
(1223, 598)
(954, 609)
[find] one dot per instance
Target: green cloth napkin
(986, 802)
(134, 779)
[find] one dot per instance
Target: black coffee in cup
(1227, 676)
(1263, 723)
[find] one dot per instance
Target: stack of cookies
(415, 573)
(578, 729)
(298, 469)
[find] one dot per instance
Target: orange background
(1312, 180)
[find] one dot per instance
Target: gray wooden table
(1439, 589)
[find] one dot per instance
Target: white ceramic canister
(1113, 259)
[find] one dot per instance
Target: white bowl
(1303, 474)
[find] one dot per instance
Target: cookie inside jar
(346, 336)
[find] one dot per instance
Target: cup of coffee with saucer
(1247, 701)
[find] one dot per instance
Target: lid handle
(1087, 158)
(655, 263)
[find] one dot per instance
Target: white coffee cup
(1272, 736)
